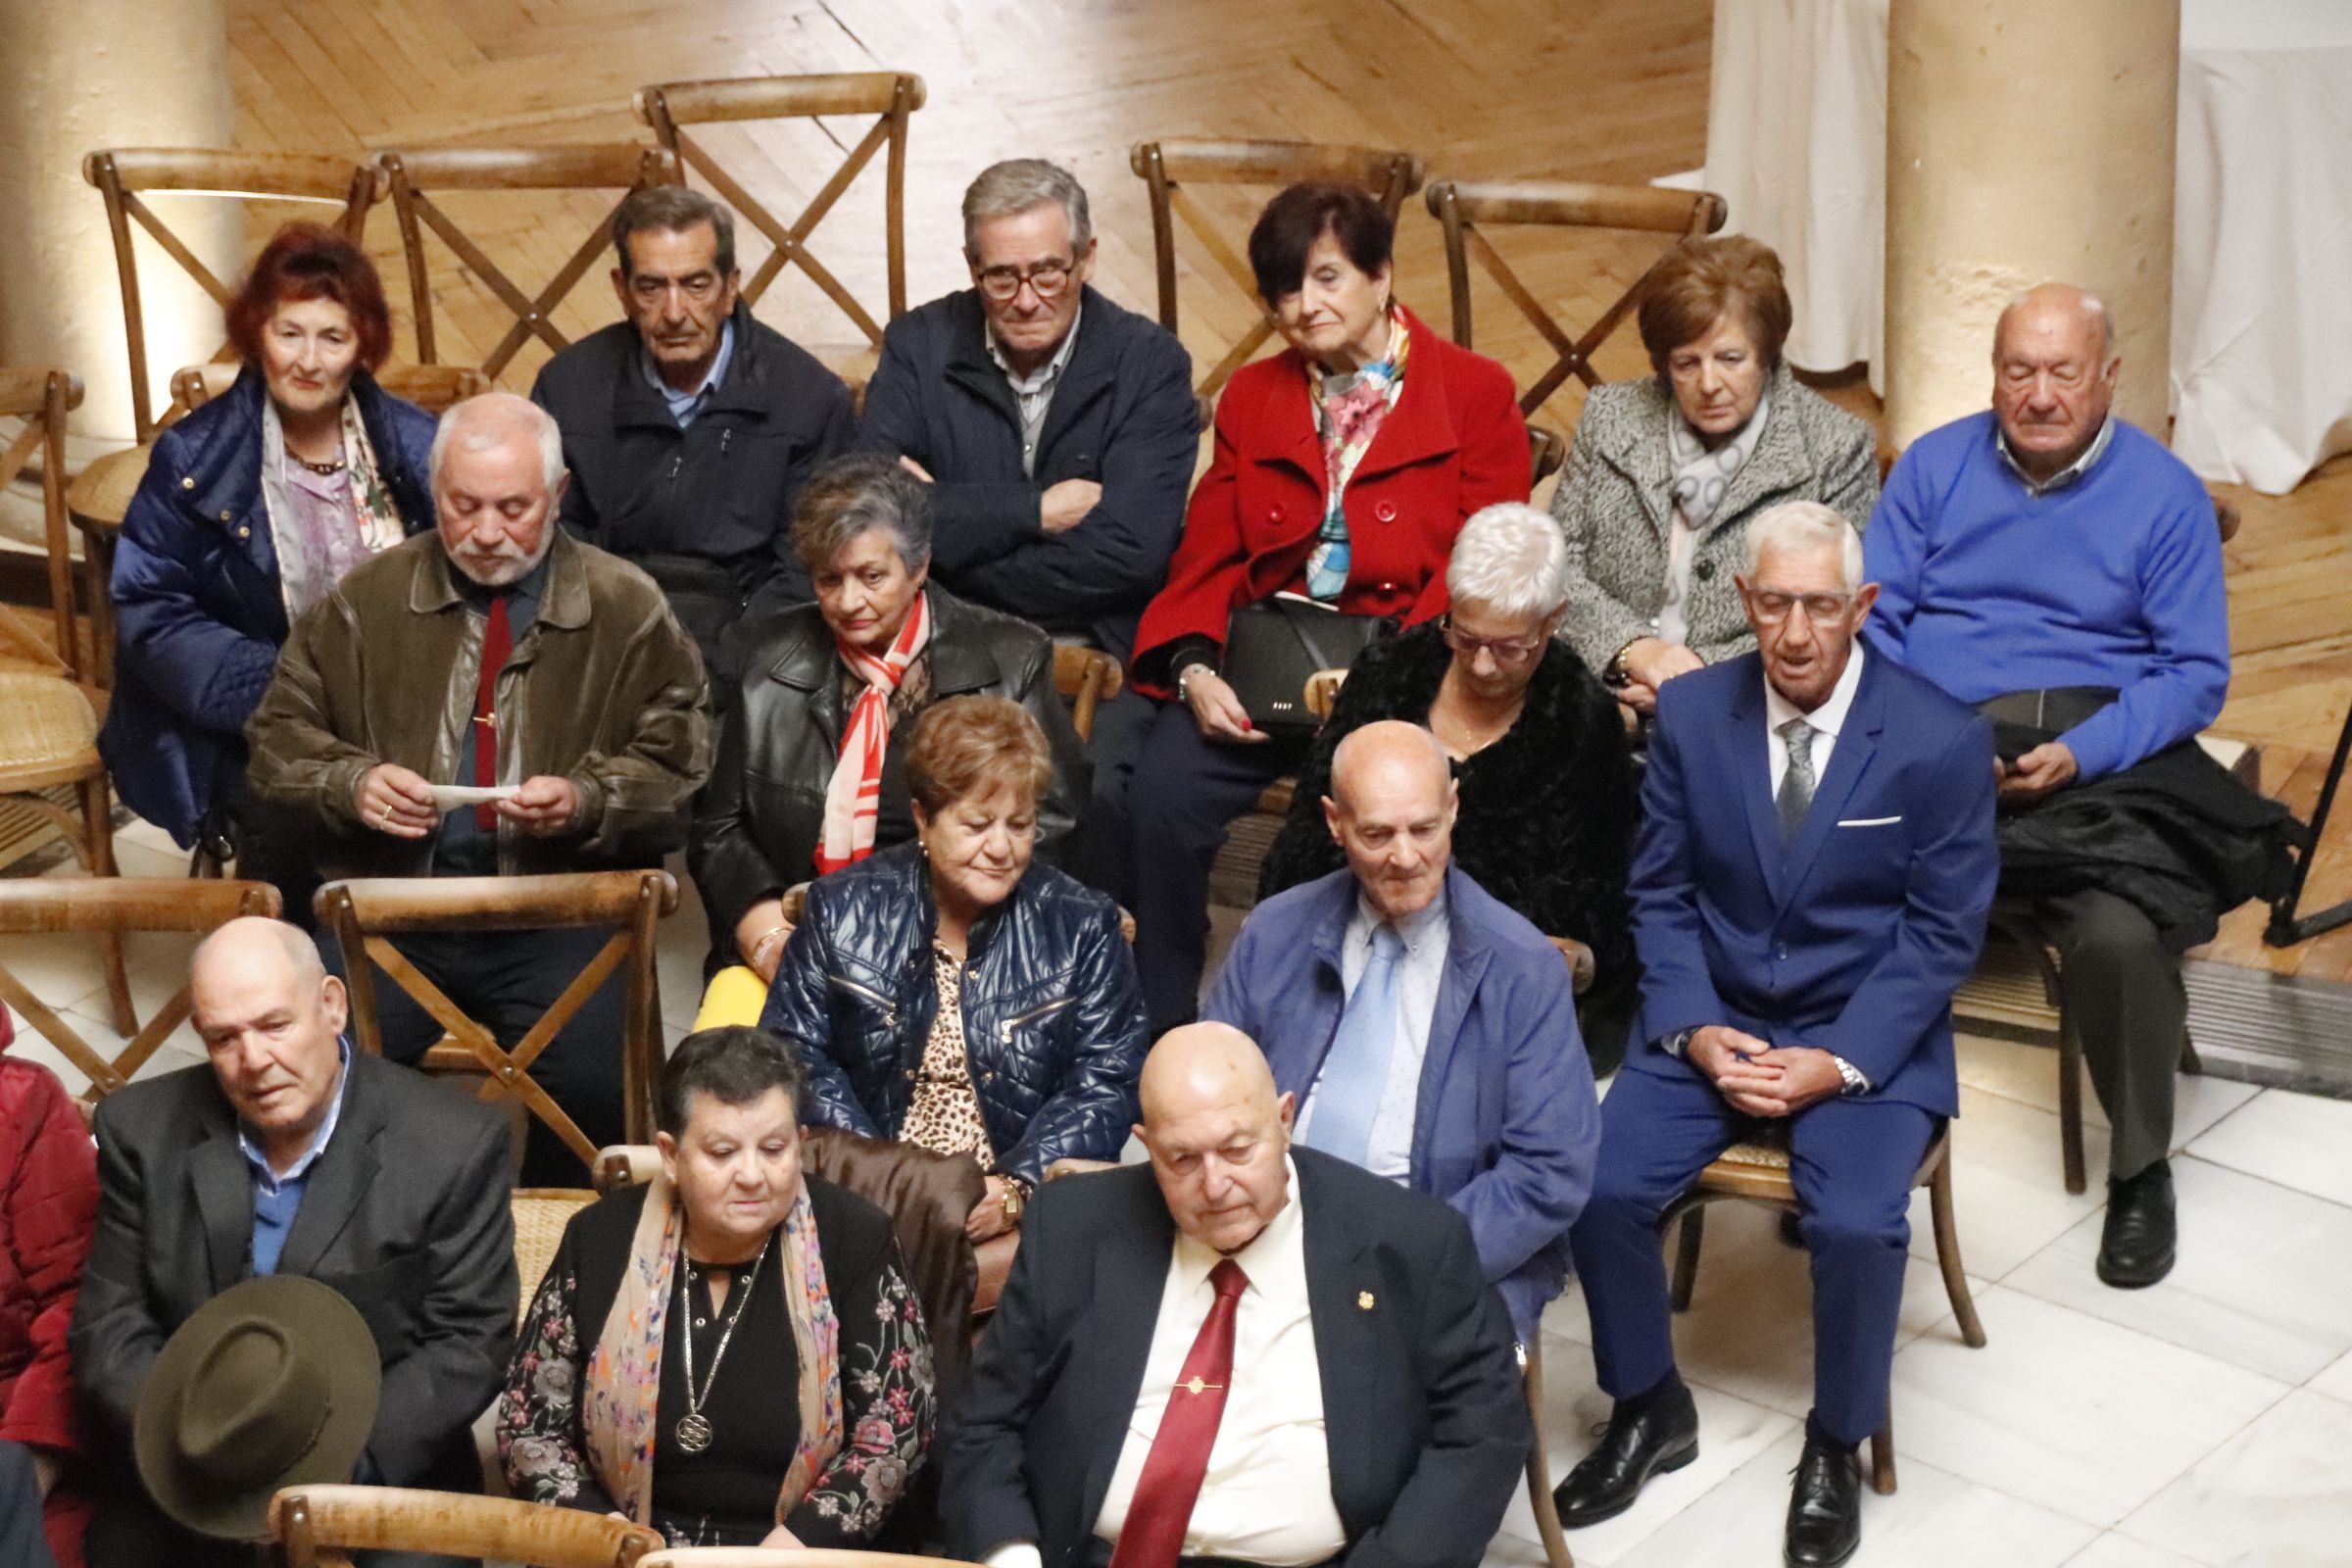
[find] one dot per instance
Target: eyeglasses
(1509, 652)
(1047, 280)
(1772, 606)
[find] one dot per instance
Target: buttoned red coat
(1453, 443)
(48, 1212)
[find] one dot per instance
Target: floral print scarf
(625, 1371)
(1349, 411)
(316, 544)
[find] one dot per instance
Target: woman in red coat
(48, 1212)
(1343, 467)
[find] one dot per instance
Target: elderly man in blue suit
(1427, 1030)
(1815, 866)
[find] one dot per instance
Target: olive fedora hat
(272, 1382)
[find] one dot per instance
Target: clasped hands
(2035, 773)
(399, 801)
(1760, 1079)
(1649, 662)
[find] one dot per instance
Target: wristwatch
(1185, 674)
(1855, 1083)
(1016, 1196)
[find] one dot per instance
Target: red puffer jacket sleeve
(48, 1210)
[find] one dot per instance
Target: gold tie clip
(1199, 1387)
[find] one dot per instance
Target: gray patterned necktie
(1796, 796)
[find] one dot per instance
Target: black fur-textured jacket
(1547, 812)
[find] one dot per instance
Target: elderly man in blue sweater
(1427, 1030)
(2060, 570)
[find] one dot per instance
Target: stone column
(2027, 141)
(81, 75)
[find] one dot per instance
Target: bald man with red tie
(1248, 1354)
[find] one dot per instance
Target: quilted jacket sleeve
(48, 1212)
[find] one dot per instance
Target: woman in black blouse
(731, 1354)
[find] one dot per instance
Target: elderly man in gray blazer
(1666, 472)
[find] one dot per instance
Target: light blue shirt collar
(269, 1180)
(684, 405)
(2064, 476)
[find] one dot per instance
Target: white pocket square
(1869, 821)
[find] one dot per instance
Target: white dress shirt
(1420, 971)
(1266, 1496)
(1826, 720)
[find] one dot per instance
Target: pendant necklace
(325, 470)
(693, 1430)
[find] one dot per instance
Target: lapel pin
(1363, 1300)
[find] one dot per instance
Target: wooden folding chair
(1167, 167)
(892, 97)
(320, 1527)
(431, 387)
(1463, 205)
(107, 908)
(366, 914)
(1085, 678)
(413, 173)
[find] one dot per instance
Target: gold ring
(387, 816)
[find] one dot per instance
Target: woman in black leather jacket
(782, 805)
(954, 994)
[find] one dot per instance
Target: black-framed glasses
(1772, 606)
(1047, 279)
(1509, 652)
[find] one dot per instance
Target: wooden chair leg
(1685, 1256)
(1539, 1469)
(1882, 1459)
(98, 827)
(2069, 1103)
(1947, 1257)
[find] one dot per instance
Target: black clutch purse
(1273, 645)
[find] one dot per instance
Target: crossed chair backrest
(43, 399)
(109, 906)
(366, 914)
(892, 97)
(122, 173)
(1167, 167)
(414, 174)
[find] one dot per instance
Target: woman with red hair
(252, 509)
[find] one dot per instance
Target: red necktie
(498, 641)
(1153, 1536)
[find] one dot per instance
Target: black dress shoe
(2139, 1241)
(1824, 1508)
(1648, 1437)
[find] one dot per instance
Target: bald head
(1217, 1133)
(271, 1020)
(1391, 810)
(498, 477)
(2053, 376)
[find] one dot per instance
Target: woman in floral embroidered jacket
(731, 1354)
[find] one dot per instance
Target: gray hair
(1014, 186)
(1343, 754)
(2091, 305)
(1510, 559)
(495, 410)
(673, 209)
(298, 947)
(1803, 526)
(852, 494)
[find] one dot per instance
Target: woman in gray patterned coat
(1666, 472)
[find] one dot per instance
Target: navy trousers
(1153, 837)
(1851, 1162)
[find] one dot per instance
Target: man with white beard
(496, 653)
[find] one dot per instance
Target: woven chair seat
(1763, 1156)
(48, 731)
(540, 1215)
(101, 493)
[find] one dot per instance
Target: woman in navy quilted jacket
(252, 509)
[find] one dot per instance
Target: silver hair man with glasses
(492, 699)
(1057, 430)
(1534, 742)
(690, 427)
(1815, 863)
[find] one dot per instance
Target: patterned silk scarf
(1349, 411)
(619, 1406)
(1701, 477)
(308, 569)
(854, 797)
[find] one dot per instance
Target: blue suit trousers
(1851, 1162)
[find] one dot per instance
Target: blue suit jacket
(1506, 1126)
(1854, 937)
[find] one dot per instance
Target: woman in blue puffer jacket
(252, 509)
(954, 993)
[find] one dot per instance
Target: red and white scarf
(854, 796)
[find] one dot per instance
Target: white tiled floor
(2207, 1421)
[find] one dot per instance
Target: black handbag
(1272, 646)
